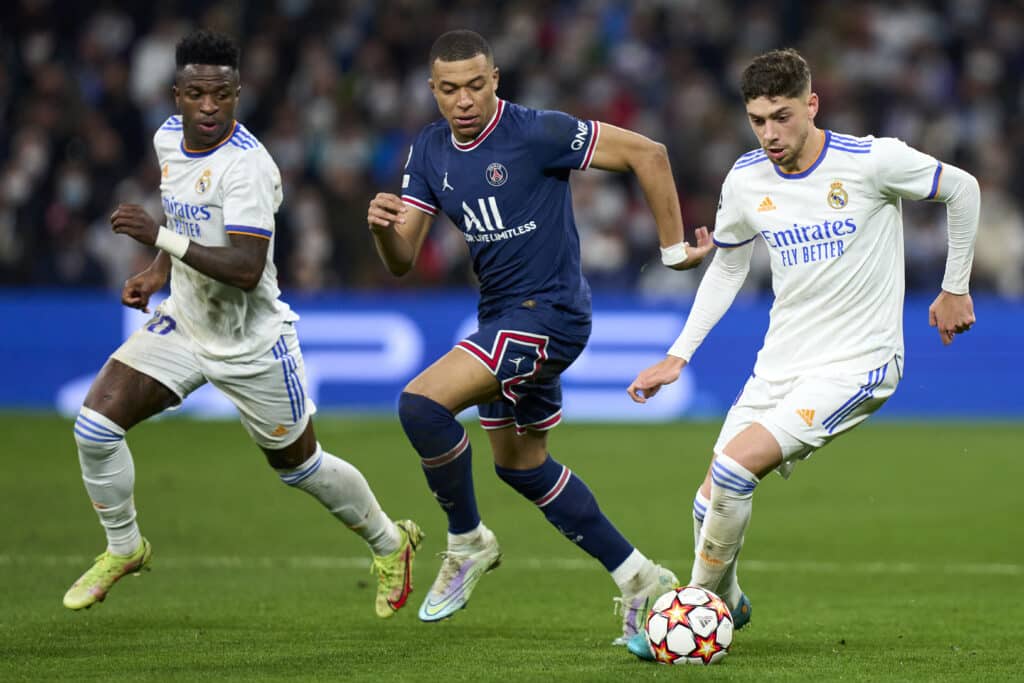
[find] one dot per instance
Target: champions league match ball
(689, 625)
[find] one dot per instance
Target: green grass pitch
(894, 554)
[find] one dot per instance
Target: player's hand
(952, 314)
(138, 288)
(695, 255)
(132, 220)
(385, 211)
(648, 382)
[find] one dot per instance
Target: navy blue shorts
(526, 350)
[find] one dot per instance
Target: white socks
(729, 587)
(109, 476)
(343, 490)
(635, 572)
(728, 513)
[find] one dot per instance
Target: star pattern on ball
(678, 613)
(720, 609)
(706, 648)
(663, 654)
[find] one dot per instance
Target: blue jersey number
(161, 324)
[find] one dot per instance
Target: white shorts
(269, 391)
(807, 412)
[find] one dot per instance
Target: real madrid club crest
(496, 174)
(837, 197)
(203, 184)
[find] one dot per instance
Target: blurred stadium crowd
(336, 90)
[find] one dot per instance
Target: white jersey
(835, 235)
(233, 188)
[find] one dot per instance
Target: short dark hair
(457, 45)
(779, 73)
(206, 47)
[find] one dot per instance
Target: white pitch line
(535, 564)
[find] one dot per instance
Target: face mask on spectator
(74, 189)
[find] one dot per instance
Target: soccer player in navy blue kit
(500, 171)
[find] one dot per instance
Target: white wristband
(174, 244)
(674, 255)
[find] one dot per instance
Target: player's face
(206, 96)
(783, 126)
(466, 94)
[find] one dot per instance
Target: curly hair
(457, 45)
(779, 73)
(206, 47)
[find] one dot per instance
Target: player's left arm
(239, 265)
(952, 312)
(626, 151)
(907, 172)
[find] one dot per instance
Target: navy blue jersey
(508, 192)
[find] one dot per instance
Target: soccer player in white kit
(223, 323)
(827, 206)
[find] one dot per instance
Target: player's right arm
(398, 231)
(240, 264)
(718, 288)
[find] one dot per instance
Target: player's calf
(108, 473)
(570, 506)
(446, 457)
(342, 489)
(727, 516)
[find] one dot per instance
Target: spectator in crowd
(80, 81)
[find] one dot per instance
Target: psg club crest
(496, 174)
(837, 197)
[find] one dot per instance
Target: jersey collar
(810, 169)
(206, 151)
(488, 129)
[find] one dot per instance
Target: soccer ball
(689, 625)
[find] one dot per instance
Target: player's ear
(812, 105)
(494, 76)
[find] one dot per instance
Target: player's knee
(731, 479)
(285, 458)
(430, 427)
(284, 453)
(295, 468)
(97, 437)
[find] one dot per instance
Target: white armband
(174, 244)
(674, 255)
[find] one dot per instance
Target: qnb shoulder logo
(496, 174)
(580, 138)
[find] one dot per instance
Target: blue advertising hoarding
(361, 349)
